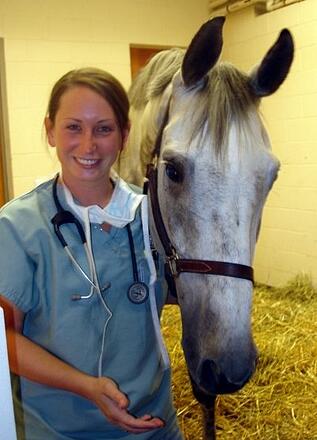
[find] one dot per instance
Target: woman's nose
(88, 143)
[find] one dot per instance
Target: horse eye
(173, 173)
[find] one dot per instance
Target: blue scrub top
(37, 276)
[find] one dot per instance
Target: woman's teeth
(86, 161)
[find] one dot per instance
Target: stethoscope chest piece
(138, 292)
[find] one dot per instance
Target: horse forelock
(228, 101)
(223, 99)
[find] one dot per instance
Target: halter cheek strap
(174, 265)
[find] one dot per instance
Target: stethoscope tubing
(132, 252)
(64, 217)
(138, 291)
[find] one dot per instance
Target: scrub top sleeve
(16, 269)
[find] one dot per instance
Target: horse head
(215, 169)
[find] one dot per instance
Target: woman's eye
(74, 127)
(103, 129)
(173, 173)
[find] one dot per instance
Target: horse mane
(225, 98)
(155, 76)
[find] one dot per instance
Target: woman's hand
(114, 405)
(33, 362)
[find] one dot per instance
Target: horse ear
(274, 67)
(203, 51)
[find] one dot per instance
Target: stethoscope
(137, 293)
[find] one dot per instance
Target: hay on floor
(280, 401)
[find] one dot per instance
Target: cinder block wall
(45, 38)
(288, 239)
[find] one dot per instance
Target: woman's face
(86, 136)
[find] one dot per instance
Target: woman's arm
(31, 361)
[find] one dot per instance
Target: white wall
(46, 38)
(288, 239)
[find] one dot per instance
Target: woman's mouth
(86, 162)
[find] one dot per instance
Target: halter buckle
(172, 264)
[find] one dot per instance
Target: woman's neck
(90, 193)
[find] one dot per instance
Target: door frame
(5, 160)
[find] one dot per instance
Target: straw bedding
(280, 401)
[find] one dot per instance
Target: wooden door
(140, 55)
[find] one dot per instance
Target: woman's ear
(49, 128)
(125, 135)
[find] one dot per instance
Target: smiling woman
(88, 125)
(91, 364)
(88, 140)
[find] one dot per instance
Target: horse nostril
(209, 375)
(214, 381)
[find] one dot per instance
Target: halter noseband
(173, 264)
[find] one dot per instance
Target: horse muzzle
(215, 381)
(212, 381)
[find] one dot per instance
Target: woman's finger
(112, 391)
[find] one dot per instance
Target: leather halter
(174, 265)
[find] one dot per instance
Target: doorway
(5, 166)
(2, 191)
(140, 55)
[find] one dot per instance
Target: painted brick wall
(288, 239)
(43, 39)
(46, 38)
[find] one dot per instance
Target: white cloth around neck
(119, 211)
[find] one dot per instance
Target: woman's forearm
(31, 361)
